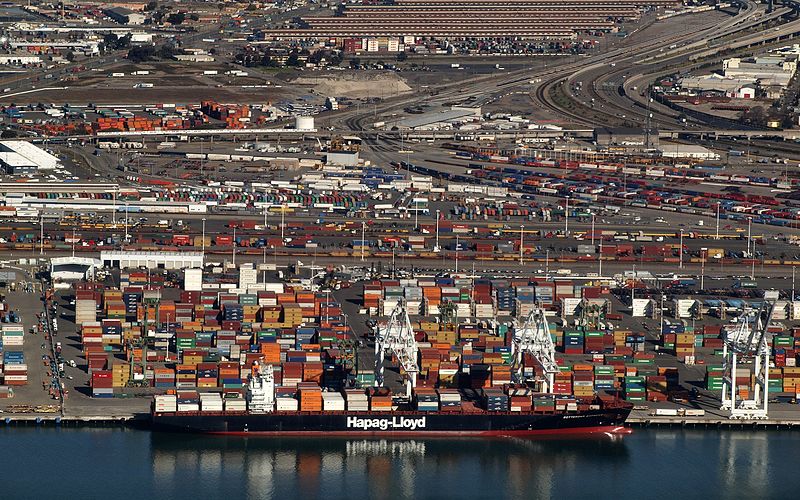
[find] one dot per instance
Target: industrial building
(625, 137)
(19, 60)
(152, 260)
(73, 268)
(124, 16)
(437, 120)
(688, 151)
(23, 158)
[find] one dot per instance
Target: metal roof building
(21, 153)
(151, 260)
(438, 119)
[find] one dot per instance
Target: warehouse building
(626, 138)
(151, 260)
(124, 16)
(437, 120)
(73, 268)
(23, 158)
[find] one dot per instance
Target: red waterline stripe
(605, 429)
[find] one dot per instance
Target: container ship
(512, 412)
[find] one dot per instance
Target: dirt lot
(355, 85)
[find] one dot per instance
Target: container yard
(407, 21)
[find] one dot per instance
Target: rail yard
(455, 209)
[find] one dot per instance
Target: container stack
(791, 380)
(166, 403)
(310, 397)
(685, 347)
(583, 381)
(563, 381)
(332, 401)
(356, 400)
(285, 399)
(604, 378)
(85, 307)
(657, 388)
(102, 384)
(210, 402)
(635, 389)
(207, 375)
(495, 400)
(544, 403)
(449, 400)
(505, 301)
(593, 343)
(426, 399)
(15, 371)
(120, 375)
(573, 342)
(13, 337)
(235, 404)
(188, 401)
(380, 399)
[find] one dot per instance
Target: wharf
(643, 419)
(28, 420)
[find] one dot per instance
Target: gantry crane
(748, 341)
(533, 337)
(396, 337)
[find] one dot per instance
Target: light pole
(41, 234)
(600, 259)
(203, 243)
(457, 247)
(363, 243)
(547, 264)
(283, 219)
(521, 242)
(566, 216)
(233, 249)
(436, 247)
(126, 222)
(717, 234)
(703, 252)
(416, 214)
(680, 251)
(793, 269)
(749, 234)
(593, 216)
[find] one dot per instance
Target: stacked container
(495, 400)
(15, 371)
(635, 388)
(356, 400)
(102, 384)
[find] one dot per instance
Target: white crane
(533, 337)
(748, 341)
(396, 337)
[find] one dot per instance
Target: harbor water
(653, 464)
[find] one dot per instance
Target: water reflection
(380, 468)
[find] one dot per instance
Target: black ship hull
(432, 424)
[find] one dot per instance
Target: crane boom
(748, 341)
(396, 337)
(533, 337)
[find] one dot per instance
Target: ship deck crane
(748, 341)
(533, 337)
(396, 337)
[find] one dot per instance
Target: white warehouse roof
(34, 154)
